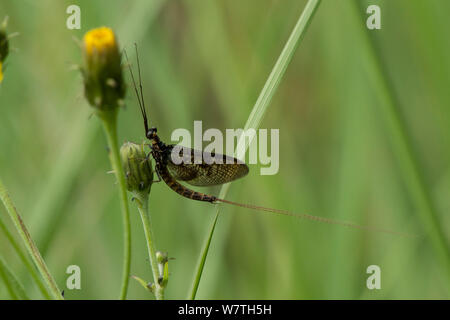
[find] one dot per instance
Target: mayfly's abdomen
(182, 190)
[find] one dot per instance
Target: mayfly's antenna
(139, 97)
(140, 79)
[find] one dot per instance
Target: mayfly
(219, 169)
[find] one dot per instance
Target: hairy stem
(142, 204)
(109, 120)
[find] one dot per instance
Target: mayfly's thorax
(159, 150)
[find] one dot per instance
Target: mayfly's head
(151, 133)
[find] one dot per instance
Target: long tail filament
(315, 218)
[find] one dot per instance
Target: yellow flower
(1, 73)
(101, 39)
(102, 69)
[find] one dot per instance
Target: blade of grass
(402, 142)
(257, 114)
(14, 287)
(202, 260)
(28, 242)
(24, 260)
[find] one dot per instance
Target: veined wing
(202, 168)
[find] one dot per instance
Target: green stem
(109, 120)
(25, 260)
(258, 112)
(28, 242)
(142, 204)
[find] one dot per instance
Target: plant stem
(257, 114)
(28, 242)
(142, 204)
(109, 120)
(25, 260)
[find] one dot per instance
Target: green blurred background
(208, 60)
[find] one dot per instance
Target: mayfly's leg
(157, 173)
(148, 159)
(159, 177)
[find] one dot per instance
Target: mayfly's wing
(201, 168)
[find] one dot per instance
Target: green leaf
(145, 284)
(29, 243)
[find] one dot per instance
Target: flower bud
(4, 47)
(162, 257)
(104, 87)
(163, 268)
(137, 167)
